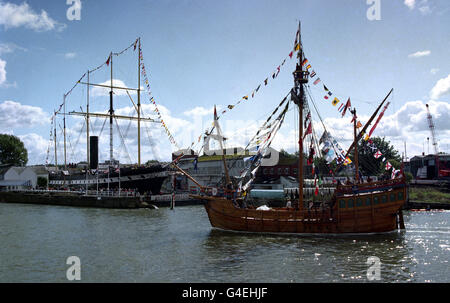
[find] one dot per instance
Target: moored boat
(358, 207)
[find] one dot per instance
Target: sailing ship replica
(112, 175)
(361, 207)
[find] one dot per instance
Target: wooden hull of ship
(373, 212)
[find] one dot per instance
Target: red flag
(308, 130)
(347, 105)
(378, 120)
(308, 116)
(290, 54)
(316, 192)
(354, 117)
(215, 113)
(107, 61)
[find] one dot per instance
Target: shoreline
(409, 205)
(65, 199)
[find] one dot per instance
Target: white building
(13, 177)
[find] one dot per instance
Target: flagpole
(111, 112)
(108, 176)
(365, 127)
(139, 103)
(87, 134)
(227, 176)
(65, 158)
(54, 136)
(119, 177)
(96, 171)
(356, 147)
(300, 78)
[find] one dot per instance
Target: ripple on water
(180, 246)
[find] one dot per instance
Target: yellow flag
(358, 125)
(297, 47)
(335, 101)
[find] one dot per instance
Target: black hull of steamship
(143, 179)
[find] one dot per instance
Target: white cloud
(420, 54)
(2, 72)
(201, 111)
(423, 6)
(408, 124)
(3, 82)
(98, 91)
(441, 88)
(410, 3)
(70, 55)
(6, 48)
(15, 115)
(13, 15)
(36, 147)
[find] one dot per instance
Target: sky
(201, 53)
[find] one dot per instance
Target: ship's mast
(364, 128)
(356, 147)
(87, 123)
(54, 136)
(139, 103)
(65, 149)
(225, 167)
(111, 112)
(87, 135)
(300, 78)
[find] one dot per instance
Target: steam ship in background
(111, 174)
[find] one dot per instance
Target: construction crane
(433, 138)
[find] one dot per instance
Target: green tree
(408, 176)
(41, 182)
(150, 162)
(322, 167)
(368, 164)
(285, 154)
(12, 151)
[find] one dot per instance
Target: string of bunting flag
(274, 75)
(152, 100)
(373, 147)
(343, 108)
(93, 70)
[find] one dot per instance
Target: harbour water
(161, 245)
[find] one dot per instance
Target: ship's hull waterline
(367, 213)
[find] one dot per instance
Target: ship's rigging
(331, 149)
(110, 115)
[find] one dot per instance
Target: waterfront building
(424, 166)
(17, 177)
(208, 170)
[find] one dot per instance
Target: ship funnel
(93, 152)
